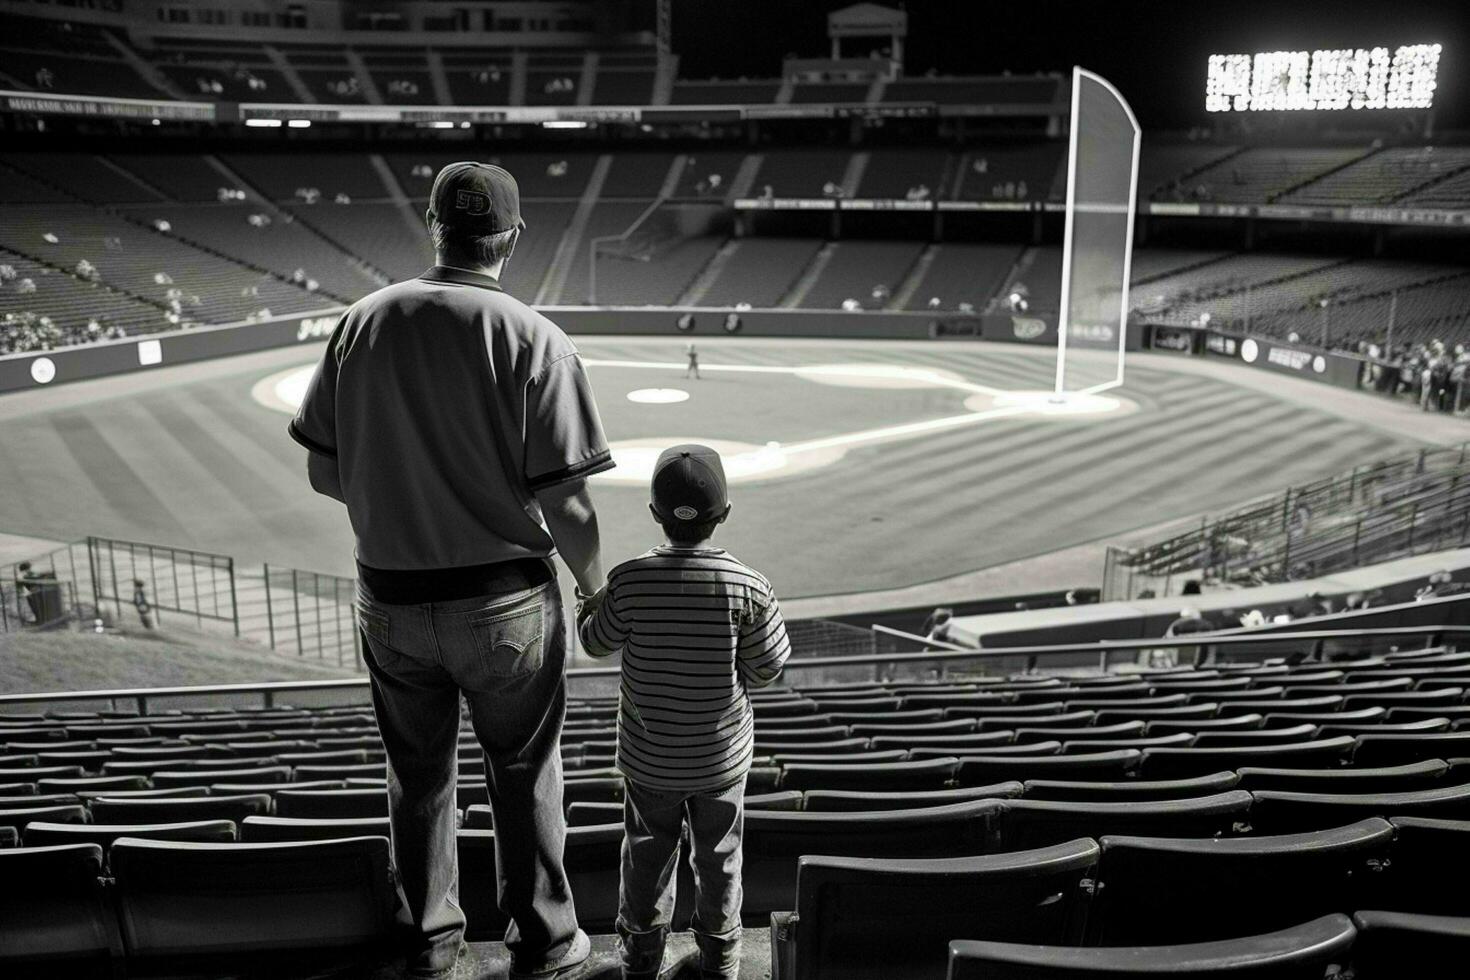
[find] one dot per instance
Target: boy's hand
(587, 604)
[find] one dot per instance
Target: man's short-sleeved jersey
(447, 405)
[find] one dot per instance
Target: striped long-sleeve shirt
(696, 628)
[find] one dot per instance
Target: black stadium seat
(1303, 952)
(1429, 865)
(1276, 812)
(21, 817)
(774, 841)
(257, 829)
(1171, 763)
(1038, 823)
(1395, 750)
(883, 777)
(55, 920)
(332, 803)
(1172, 890)
(210, 907)
(875, 919)
(1388, 941)
(114, 809)
(1131, 790)
(42, 834)
(977, 770)
(1390, 779)
(846, 801)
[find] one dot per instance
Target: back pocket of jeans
(509, 644)
(373, 622)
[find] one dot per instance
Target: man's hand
(587, 605)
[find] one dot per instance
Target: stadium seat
(304, 905)
(1430, 862)
(1168, 889)
(1396, 750)
(1388, 941)
(882, 777)
(1120, 744)
(1246, 739)
(20, 818)
(1303, 952)
(116, 809)
(774, 841)
(259, 829)
(1390, 779)
(846, 801)
(862, 918)
(55, 917)
(940, 742)
(210, 777)
(77, 784)
(332, 803)
(1040, 823)
(1277, 812)
(1180, 763)
(1131, 790)
(41, 834)
(978, 770)
(844, 758)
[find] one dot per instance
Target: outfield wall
(19, 372)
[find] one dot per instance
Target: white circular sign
(1319, 364)
(43, 369)
(1249, 351)
(658, 396)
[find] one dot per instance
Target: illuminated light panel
(1330, 78)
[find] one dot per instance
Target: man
(692, 370)
(458, 427)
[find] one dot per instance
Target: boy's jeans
(652, 824)
(506, 652)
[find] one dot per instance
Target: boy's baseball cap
(689, 484)
(476, 197)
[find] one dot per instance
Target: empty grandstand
(1107, 623)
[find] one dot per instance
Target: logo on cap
(685, 513)
(471, 202)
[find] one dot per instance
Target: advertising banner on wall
(1342, 370)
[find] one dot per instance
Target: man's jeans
(506, 653)
(652, 824)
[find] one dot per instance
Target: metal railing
(1330, 524)
(1218, 646)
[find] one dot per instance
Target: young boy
(697, 628)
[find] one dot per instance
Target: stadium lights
(263, 123)
(564, 124)
(299, 123)
(1330, 78)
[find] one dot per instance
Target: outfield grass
(76, 661)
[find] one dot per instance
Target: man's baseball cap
(689, 484)
(476, 197)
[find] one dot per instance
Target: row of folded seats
(1260, 764)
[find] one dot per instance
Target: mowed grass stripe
(1137, 449)
(1206, 491)
(1045, 438)
(124, 494)
(259, 499)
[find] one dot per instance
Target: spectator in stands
(45, 78)
(1441, 583)
(141, 603)
(1191, 587)
(557, 168)
(696, 628)
(458, 488)
(937, 626)
(934, 303)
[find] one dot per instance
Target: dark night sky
(1154, 50)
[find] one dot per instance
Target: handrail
(268, 689)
